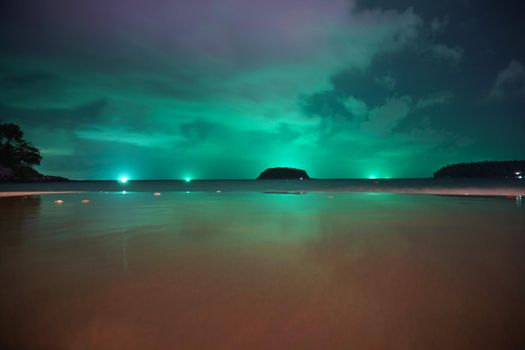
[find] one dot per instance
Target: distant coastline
(26, 174)
(486, 169)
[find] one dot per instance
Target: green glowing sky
(206, 89)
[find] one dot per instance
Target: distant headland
(18, 156)
(486, 169)
(283, 174)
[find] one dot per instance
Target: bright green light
(123, 179)
(377, 177)
(187, 179)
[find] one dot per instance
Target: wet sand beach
(261, 271)
(33, 193)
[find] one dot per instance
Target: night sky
(160, 89)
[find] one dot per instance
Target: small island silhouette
(281, 173)
(486, 169)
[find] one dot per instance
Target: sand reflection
(14, 213)
(276, 272)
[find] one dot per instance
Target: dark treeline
(18, 157)
(487, 169)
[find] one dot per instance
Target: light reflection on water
(253, 270)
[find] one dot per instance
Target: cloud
(447, 53)
(173, 84)
(438, 25)
(30, 78)
(225, 41)
(198, 129)
(387, 81)
(357, 108)
(339, 114)
(55, 117)
(441, 97)
(510, 81)
(326, 104)
(373, 121)
(239, 63)
(141, 139)
(382, 119)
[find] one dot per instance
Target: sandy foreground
(256, 271)
(17, 194)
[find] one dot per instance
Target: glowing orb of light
(187, 179)
(85, 201)
(123, 179)
(156, 194)
(59, 201)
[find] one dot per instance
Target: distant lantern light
(85, 201)
(187, 179)
(517, 173)
(123, 179)
(59, 201)
(156, 194)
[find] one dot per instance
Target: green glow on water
(123, 179)
(375, 176)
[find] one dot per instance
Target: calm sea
(443, 186)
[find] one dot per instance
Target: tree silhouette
(15, 152)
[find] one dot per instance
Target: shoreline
(36, 193)
(507, 192)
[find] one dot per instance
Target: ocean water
(437, 186)
(244, 269)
